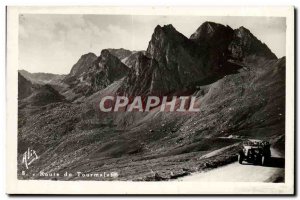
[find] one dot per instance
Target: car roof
(254, 142)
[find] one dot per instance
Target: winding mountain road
(236, 172)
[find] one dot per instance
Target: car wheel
(240, 158)
(263, 160)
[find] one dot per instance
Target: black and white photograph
(153, 98)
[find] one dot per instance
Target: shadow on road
(276, 162)
(272, 162)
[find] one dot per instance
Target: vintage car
(255, 151)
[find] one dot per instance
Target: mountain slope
(43, 95)
(239, 87)
(42, 78)
(25, 87)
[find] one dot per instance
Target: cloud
(55, 43)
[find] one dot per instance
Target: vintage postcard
(150, 100)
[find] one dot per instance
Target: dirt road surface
(236, 172)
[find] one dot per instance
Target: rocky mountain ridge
(239, 85)
(175, 64)
(172, 63)
(92, 73)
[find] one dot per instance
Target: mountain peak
(88, 55)
(105, 53)
(210, 32)
(245, 44)
(172, 63)
(210, 26)
(164, 36)
(164, 28)
(244, 32)
(85, 61)
(242, 28)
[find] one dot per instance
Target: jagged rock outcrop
(83, 65)
(92, 73)
(245, 44)
(130, 60)
(214, 36)
(107, 68)
(140, 77)
(120, 53)
(225, 43)
(178, 64)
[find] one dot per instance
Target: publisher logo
(29, 157)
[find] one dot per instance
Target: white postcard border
(15, 186)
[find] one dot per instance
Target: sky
(53, 43)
